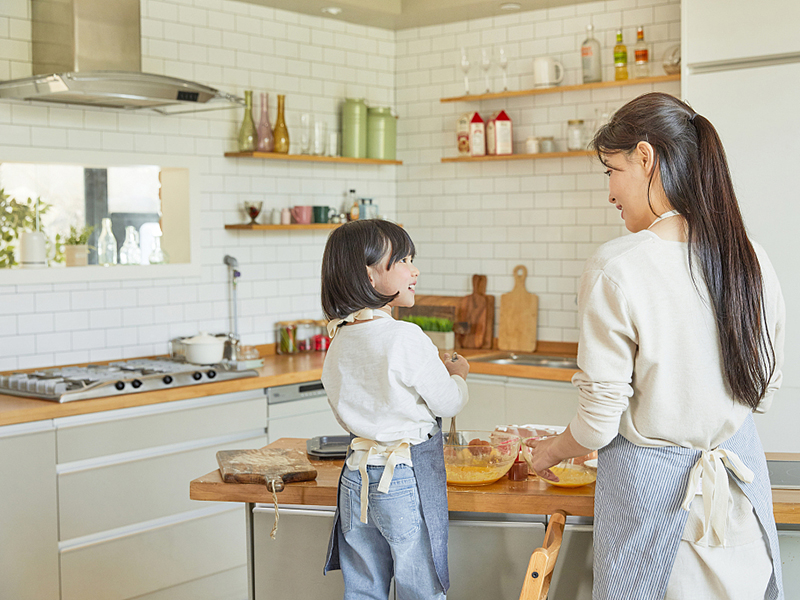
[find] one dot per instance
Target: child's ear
(370, 274)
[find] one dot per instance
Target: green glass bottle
(620, 59)
(248, 137)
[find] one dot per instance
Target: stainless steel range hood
(88, 52)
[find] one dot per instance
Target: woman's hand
(459, 367)
(546, 452)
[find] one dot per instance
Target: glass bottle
(280, 132)
(130, 253)
(158, 256)
(266, 141)
(620, 59)
(106, 245)
(590, 57)
(641, 66)
(248, 138)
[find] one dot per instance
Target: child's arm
(459, 367)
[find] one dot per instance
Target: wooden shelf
(259, 227)
(564, 88)
(312, 158)
(519, 156)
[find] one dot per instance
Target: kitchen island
(509, 514)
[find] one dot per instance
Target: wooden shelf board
(259, 227)
(312, 158)
(518, 156)
(564, 88)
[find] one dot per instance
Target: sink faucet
(232, 343)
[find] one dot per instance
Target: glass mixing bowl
(479, 457)
(571, 472)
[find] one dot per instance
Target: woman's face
(628, 182)
(400, 277)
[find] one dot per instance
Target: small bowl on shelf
(571, 472)
(479, 457)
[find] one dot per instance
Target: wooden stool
(543, 560)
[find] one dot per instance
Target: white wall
(235, 46)
(549, 215)
(465, 218)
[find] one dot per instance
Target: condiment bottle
(590, 57)
(641, 68)
(519, 470)
(620, 59)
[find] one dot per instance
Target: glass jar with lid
(547, 144)
(575, 135)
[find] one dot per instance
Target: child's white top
(385, 382)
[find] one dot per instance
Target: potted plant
(439, 330)
(76, 248)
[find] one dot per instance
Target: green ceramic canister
(381, 133)
(354, 128)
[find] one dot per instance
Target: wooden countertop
(277, 370)
(534, 496)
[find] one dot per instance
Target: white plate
(592, 462)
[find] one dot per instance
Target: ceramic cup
(275, 218)
(547, 72)
(286, 217)
(301, 214)
(322, 214)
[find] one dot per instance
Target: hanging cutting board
(477, 309)
(265, 465)
(519, 311)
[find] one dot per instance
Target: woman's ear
(645, 156)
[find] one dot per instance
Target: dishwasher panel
(300, 410)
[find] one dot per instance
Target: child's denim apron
(638, 527)
(429, 471)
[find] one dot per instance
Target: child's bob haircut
(352, 248)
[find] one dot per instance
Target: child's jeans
(394, 541)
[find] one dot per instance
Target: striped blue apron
(429, 471)
(638, 526)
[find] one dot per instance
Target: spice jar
(532, 145)
(547, 144)
(575, 134)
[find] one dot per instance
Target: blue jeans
(394, 541)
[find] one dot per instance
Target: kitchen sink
(528, 360)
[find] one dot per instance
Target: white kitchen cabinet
(731, 30)
(306, 418)
(487, 404)
(28, 515)
(497, 401)
(127, 528)
(539, 401)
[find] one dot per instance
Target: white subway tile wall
(547, 214)
(465, 218)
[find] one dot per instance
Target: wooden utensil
(474, 309)
(269, 466)
(519, 311)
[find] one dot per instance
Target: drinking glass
(305, 133)
(320, 137)
(503, 62)
(465, 69)
(486, 64)
(252, 210)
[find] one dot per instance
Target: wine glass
(486, 63)
(503, 62)
(465, 69)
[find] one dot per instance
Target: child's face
(400, 277)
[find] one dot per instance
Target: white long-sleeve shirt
(385, 382)
(649, 352)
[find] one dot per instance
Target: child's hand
(459, 367)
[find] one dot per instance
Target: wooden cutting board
(265, 465)
(477, 309)
(519, 311)
(448, 307)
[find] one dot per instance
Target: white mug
(276, 216)
(547, 72)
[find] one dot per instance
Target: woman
(681, 340)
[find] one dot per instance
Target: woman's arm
(551, 451)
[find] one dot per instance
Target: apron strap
(709, 471)
(365, 314)
(371, 448)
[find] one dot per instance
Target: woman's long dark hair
(694, 173)
(352, 248)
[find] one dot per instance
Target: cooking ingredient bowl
(204, 349)
(571, 472)
(479, 457)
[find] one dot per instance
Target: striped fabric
(638, 527)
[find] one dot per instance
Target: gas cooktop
(65, 384)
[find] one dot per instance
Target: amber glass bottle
(280, 132)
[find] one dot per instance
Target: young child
(389, 388)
